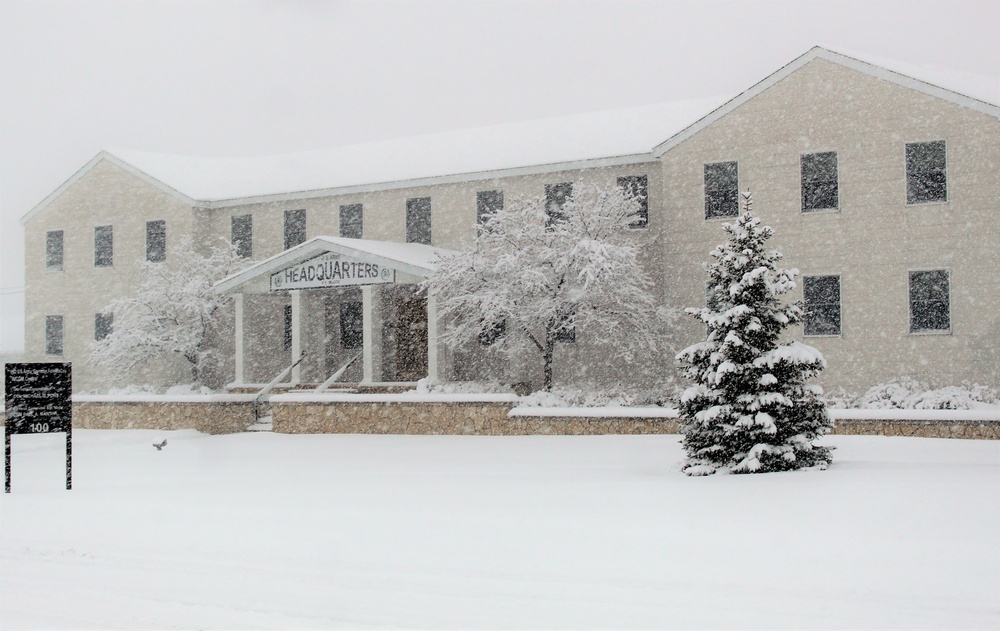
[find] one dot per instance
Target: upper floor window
(102, 325)
(930, 301)
(822, 304)
(418, 220)
(722, 197)
(556, 196)
(54, 335)
(819, 181)
(490, 334)
(156, 241)
(241, 235)
(487, 203)
(567, 327)
(54, 249)
(352, 325)
(104, 246)
(295, 227)
(352, 221)
(637, 186)
(926, 172)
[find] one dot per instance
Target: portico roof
(413, 259)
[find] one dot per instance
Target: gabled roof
(415, 259)
(855, 64)
(618, 137)
(101, 156)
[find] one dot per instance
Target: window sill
(930, 333)
(820, 211)
(919, 204)
(822, 335)
(723, 218)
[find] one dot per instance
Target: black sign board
(39, 401)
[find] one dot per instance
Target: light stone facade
(872, 240)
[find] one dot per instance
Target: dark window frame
(352, 325)
(54, 331)
(156, 241)
(295, 227)
(638, 185)
(54, 250)
(722, 202)
(820, 312)
(487, 204)
(103, 325)
(287, 324)
(819, 191)
(104, 246)
(419, 228)
(241, 235)
(556, 196)
(924, 309)
(920, 177)
(352, 221)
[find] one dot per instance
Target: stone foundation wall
(980, 430)
(209, 417)
(484, 419)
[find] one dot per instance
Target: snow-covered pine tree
(750, 409)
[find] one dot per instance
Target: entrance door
(411, 338)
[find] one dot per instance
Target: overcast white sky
(231, 78)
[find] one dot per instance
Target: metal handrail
(270, 386)
(335, 376)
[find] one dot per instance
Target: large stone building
(883, 190)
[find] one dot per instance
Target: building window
(352, 325)
(556, 196)
(352, 221)
(490, 334)
(567, 330)
(287, 340)
(926, 174)
(930, 302)
(104, 246)
(102, 325)
(637, 186)
(241, 235)
(722, 197)
(54, 249)
(418, 220)
(54, 335)
(295, 228)
(819, 181)
(156, 241)
(487, 203)
(822, 304)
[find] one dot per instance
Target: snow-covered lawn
(320, 531)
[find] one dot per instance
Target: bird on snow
(160, 446)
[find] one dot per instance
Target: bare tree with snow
(174, 312)
(536, 275)
(750, 409)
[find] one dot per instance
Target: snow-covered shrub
(750, 409)
(533, 277)
(907, 393)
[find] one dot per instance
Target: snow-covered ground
(322, 531)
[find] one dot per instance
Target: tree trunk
(550, 346)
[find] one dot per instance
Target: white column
(372, 351)
(239, 338)
(432, 338)
(296, 333)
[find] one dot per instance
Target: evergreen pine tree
(750, 410)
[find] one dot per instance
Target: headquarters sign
(331, 270)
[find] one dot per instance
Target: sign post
(39, 401)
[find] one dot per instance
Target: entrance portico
(317, 285)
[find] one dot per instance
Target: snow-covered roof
(618, 136)
(625, 136)
(415, 259)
